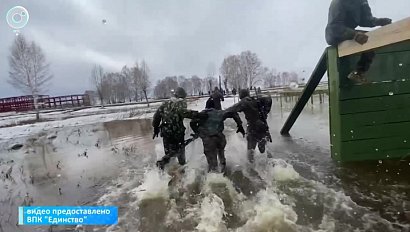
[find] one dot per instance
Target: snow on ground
(21, 118)
(61, 119)
(200, 104)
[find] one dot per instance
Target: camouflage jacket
(170, 117)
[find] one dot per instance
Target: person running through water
(344, 17)
(168, 122)
(210, 129)
(256, 110)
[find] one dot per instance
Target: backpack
(213, 124)
(172, 118)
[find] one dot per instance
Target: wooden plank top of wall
(393, 33)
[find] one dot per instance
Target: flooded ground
(294, 187)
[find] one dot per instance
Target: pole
(310, 87)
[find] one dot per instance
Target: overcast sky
(175, 37)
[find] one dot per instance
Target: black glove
(269, 137)
(361, 38)
(156, 132)
(195, 136)
(383, 21)
(241, 130)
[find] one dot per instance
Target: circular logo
(17, 17)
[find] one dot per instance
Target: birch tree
(97, 79)
(231, 71)
(251, 68)
(136, 76)
(270, 78)
(164, 87)
(144, 82)
(187, 85)
(29, 71)
(126, 82)
(196, 84)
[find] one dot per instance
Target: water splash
(154, 185)
(284, 172)
(269, 214)
(212, 212)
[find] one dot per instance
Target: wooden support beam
(310, 87)
(390, 34)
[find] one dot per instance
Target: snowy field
(68, 118)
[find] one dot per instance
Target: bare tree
(97, 78)
(279, 79)
(269, 78)
(136, 76)
(117, 87)
(285, 78)
(180, 79)
(242, 71)
(126, 82)
(231, 70)
(160, 90)
(196, 84)
(171, 83)
(108, 87)
(188, 86)
(211, 83)
(164, 87)
(144, 82)
(29, 71)
(251, 68)
(293, 77)
(226, 85)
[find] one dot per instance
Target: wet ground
(294, 187)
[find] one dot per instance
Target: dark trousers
(365, 61)
(256, 136)
(214, 149)
(173, 147)
(254, 140)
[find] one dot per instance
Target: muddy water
(294, 187)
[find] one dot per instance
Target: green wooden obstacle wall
(370, 121)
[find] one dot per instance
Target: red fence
(26, 103)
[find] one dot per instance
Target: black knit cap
(210, 104)
(180, 93)
(243, 93)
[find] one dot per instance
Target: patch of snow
(84, 117)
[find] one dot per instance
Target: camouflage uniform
(210, 129)
(169, 119)
(344, 17)
(257, 130)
